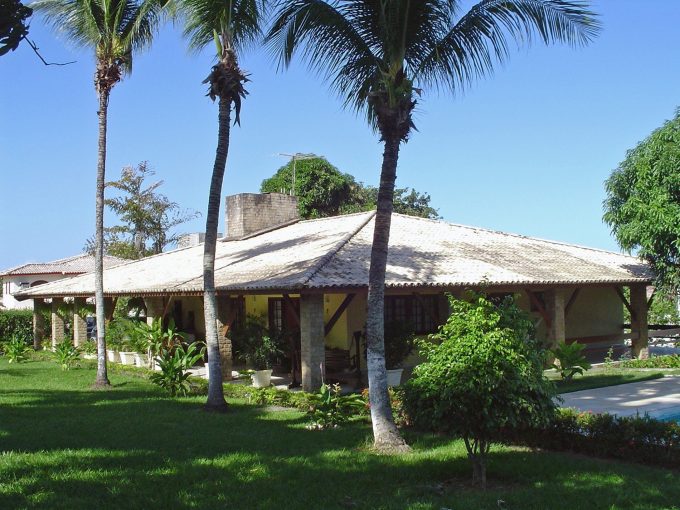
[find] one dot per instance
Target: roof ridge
(327, 258)
(512, 234)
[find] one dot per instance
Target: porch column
(38, 323)
(154, 309)
(555, 306)
(79, 323)
(313, 351)
(57, 322)
(638, 321)
(225, 317)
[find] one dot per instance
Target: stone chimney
(247, 213)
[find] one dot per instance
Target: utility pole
(298, 156)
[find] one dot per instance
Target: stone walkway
(656, 397)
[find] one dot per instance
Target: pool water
(672, 415)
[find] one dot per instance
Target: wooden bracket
(294, 312)
(539, 306)
(571, 301)
(338, 313)
(625, 302)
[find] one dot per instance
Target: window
(421, 312)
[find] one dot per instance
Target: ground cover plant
(668, 361)
(570, 360)
(15, 349)
(602, 377)
(133, 446)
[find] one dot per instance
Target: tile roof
(77, 264)
(334, 253)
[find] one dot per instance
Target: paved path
(655, 397)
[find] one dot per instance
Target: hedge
(16, 322)
(633, 438)
(667, 361)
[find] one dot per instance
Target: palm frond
(481, 37)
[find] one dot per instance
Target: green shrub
(633, 438)
(482, 374)
(571, 360)
(667, 361)
(174, 364)
(330, 409)
(399, 343)
(16, 322)
(15, 349)
(66, 354)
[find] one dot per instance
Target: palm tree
(231, 25)
(378, 54)
(115, 30)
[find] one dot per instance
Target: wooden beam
(651, 298)
(167, 306)
(625, 302)
(571, 301)
(338, 313)
(539, 306)
(294, 312)
(109, 313)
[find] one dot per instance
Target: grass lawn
(601, 377)
(63, 445)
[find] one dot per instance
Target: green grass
(66, 446)
(601, 377)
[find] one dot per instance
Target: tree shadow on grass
(132, 448)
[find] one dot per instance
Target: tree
(231, 25)
(643, 202)
(482, 374)
(323, 190)
(13, 24)
(114, 30)
(378, 55)
(147, 217)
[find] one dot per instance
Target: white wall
(12, 284)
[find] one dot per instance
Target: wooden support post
(293, 309)
(312, 335)
(638, 321)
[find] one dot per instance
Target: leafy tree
(379, 55)
(148, 217)
(13, 24)
(483, 374)
(643, 202)
(113, 30)
(323, 190)
(231, 26)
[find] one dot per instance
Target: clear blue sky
(524, 151)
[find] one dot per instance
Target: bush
(16, 322)
(668, 361)
(483, 374)
(15, 349)
(174, 363)
(633, 438)
(330, 409)
(66, 354)
(571, 360)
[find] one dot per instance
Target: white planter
(127, 357)
(112, 356)
(394, 376)
(262, 378)
(141, 360)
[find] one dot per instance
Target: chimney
(248, 213)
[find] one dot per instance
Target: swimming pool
(669, 415)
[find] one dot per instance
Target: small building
(30, 275)
(311, 277)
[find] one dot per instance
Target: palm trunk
(102, 375)
(216, 400)
(385, 433)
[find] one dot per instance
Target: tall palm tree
(114, 30)
(378, 55)
(231, 25)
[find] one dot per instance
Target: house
(32, 274)
(312, 276)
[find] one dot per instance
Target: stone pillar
(38, 323)
(638, 321)
(154, 309)
(57, 322)
(224, 319)
(79, 323)
(555, 305)
(312, 337)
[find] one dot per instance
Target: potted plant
(127, 353)
(399, 343)
(260, 353)
(90, 350)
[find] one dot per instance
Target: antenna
(298, 156)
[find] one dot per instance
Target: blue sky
(524, 151)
